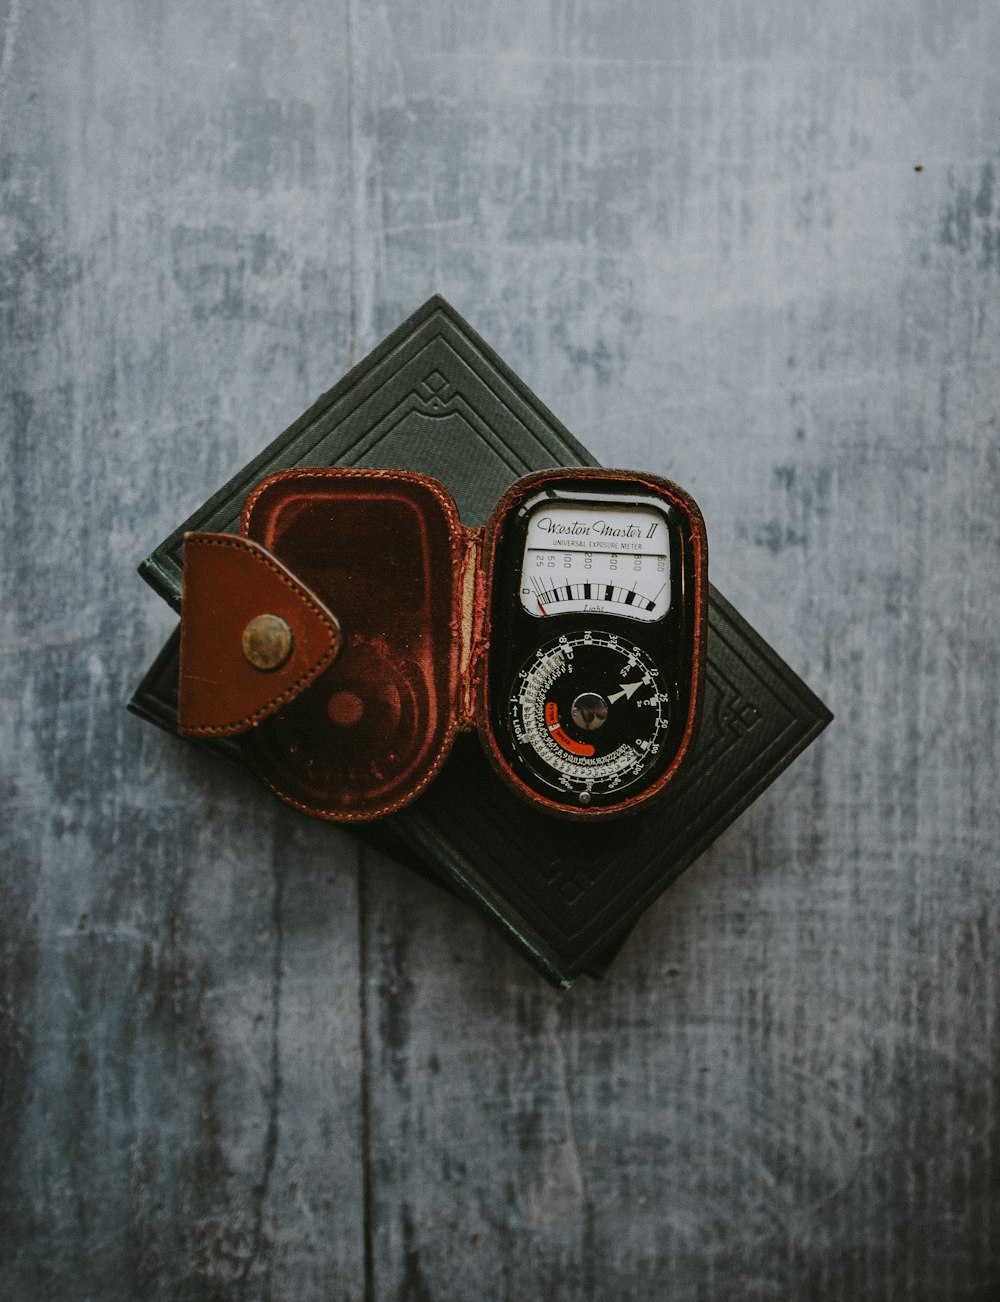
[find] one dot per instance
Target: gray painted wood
(242, 1060)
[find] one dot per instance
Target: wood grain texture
(242, 1060)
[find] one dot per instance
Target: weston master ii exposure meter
(593, 666)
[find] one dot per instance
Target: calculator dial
(589, 715)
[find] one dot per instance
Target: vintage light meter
(593, 663)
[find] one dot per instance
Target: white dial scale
(596, 559)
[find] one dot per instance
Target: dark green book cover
(434, 398)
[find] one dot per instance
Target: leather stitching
(333, 473)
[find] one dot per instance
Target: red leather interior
(384, 550)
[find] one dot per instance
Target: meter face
(591, 670)
(605, 559)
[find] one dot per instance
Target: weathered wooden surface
(240, 1059)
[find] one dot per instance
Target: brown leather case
(388, 599)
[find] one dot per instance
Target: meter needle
(539, 593)
(628, 691)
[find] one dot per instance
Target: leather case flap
(252, 635)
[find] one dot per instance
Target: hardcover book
(435, 399)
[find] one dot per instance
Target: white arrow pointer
(628, 690)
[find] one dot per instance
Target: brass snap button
(267, 642)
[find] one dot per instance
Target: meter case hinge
(473, 642)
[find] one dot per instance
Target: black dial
(589, 715)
